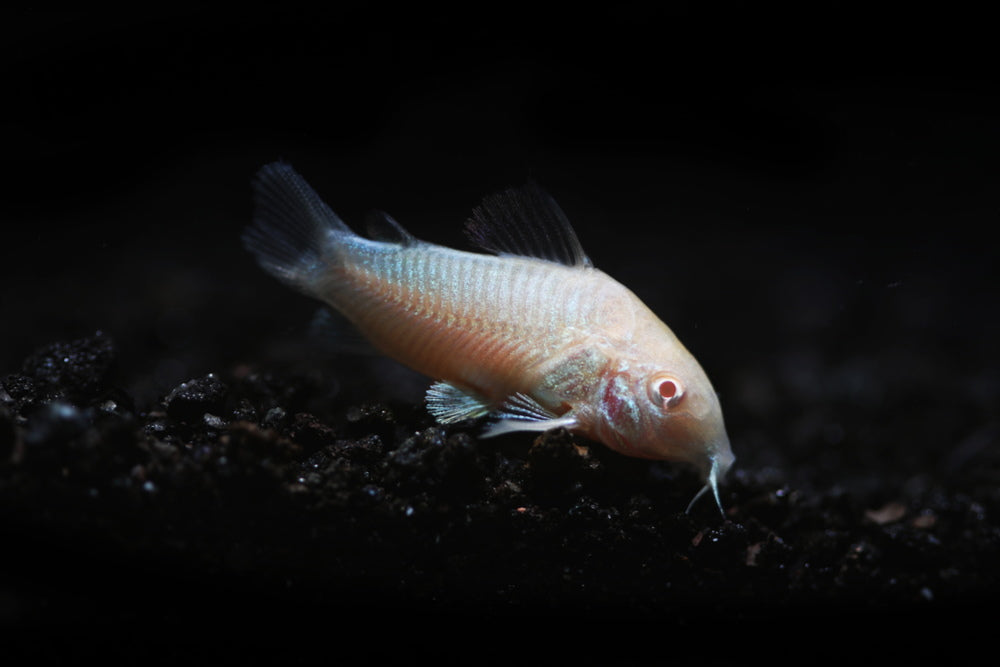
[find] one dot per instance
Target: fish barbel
(532, 335)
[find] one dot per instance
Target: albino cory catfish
(533, 336)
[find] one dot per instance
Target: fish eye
(665, 390)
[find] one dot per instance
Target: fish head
(655, 412)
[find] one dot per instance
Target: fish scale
(484, 315)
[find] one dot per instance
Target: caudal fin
(293, 232)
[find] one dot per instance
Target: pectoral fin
(450, 404)
(520, 412)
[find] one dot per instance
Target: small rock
(214, 421)
(25, 393)
(244, 411)
(311, 433)
(190, 400)
(275, 417)
(80, 367)
(888, 513)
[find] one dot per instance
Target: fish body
(533, 335)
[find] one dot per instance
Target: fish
(528, 334)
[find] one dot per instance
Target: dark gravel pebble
(191, 400)
(79, 368)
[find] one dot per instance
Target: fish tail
(294, 234)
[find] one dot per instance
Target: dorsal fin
(528, 222)
(383, 227)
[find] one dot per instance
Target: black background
(798, 192)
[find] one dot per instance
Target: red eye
(665, 390)
(668, 389)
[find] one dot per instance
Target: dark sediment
(228, 493)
